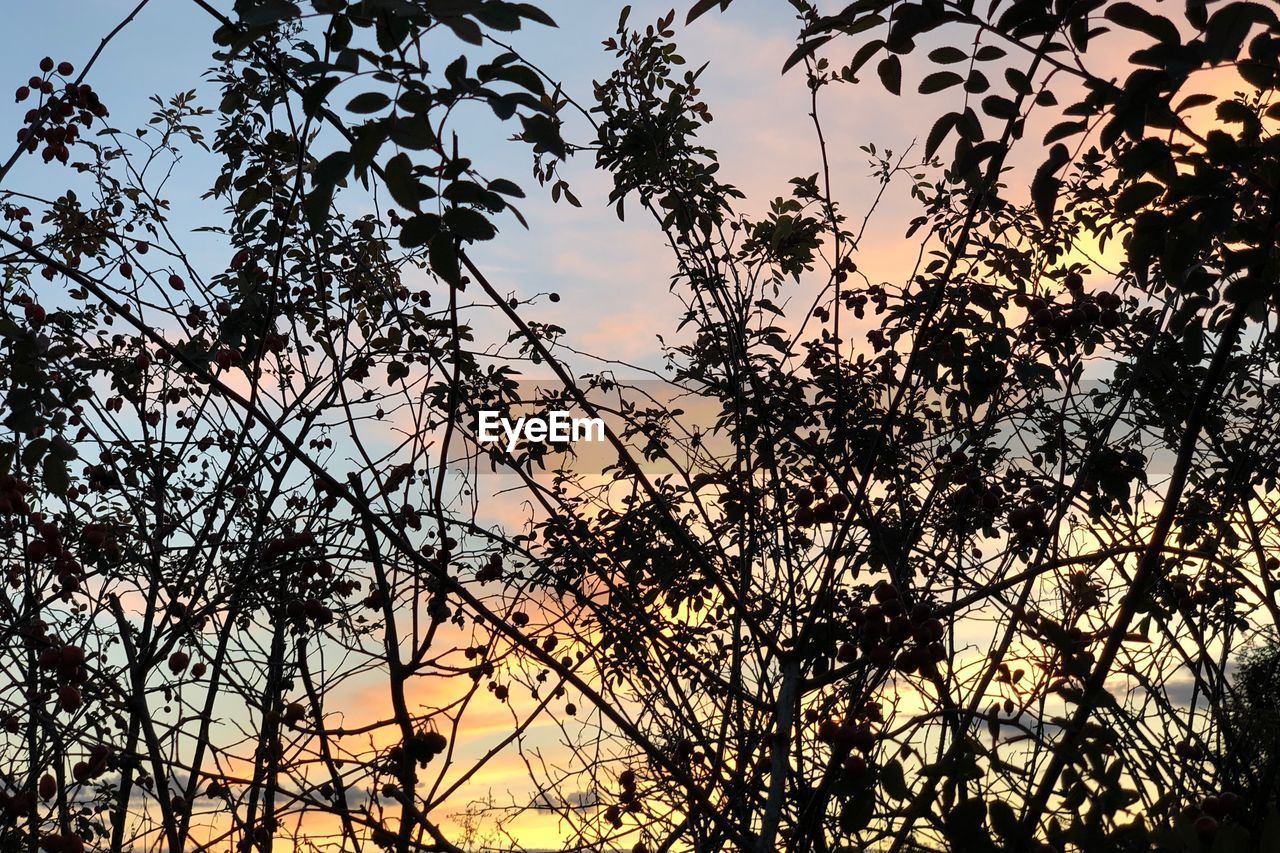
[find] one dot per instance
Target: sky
(613, 277)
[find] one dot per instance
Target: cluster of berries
(23, 802)
(13, 495)
(96, 764)
(492, 570)
(14, 213)
(62, 842)
(421, 747)
(1050, 321)
(1030, 519)
(311, 580)
(1209, 814)
(54, 122)
(890, 636)
(628, 800)
(65, 663)
(973, 492)
(47, 547)
(1112, 471)
(816, 506)
(851, 739)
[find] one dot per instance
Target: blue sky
(613, 276)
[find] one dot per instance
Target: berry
(1215, 807)
(881, 655)
(828, 731)
(69, 698)
(885, 591)
(1206, 826)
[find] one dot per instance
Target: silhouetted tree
(939, 570)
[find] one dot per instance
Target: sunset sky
(612, 277)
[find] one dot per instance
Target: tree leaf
(1229, 27)
(1004, 820)
(803, 50)
(894, 781)
(401, 182)
(938, 81)
(1064, 129)
(369, 102)
(328, 173)
(533, 13)
(502, 185)
(396, 370)
(1134, 17)
(977, 82)
(465, 29)
(315, 95)
(34, 452)
(419, 230)
(1045, 185)
(863, 54)
(890, 71)
(413, 132)
(947, 54)
(56, 477)
(443, 256)
(1138, 196)
(1017, 81)
(469, 224)
(997, 106)
(544, 134)
(270, 12)
(938, 133)
(702, 7)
